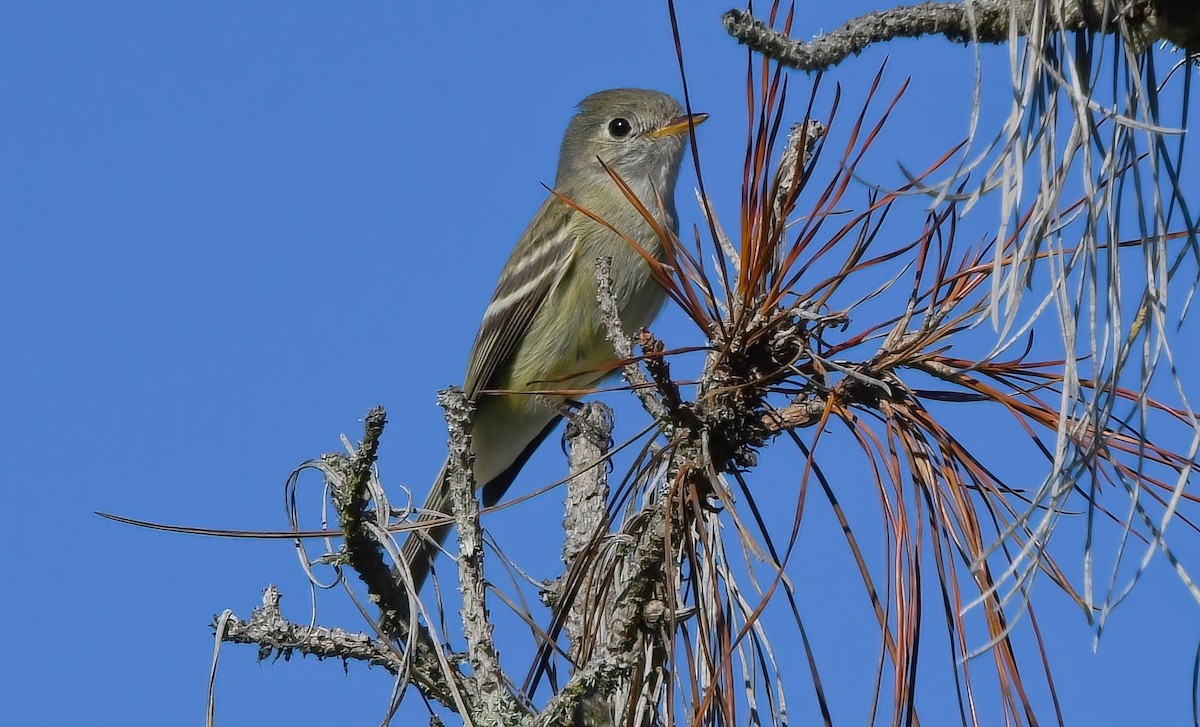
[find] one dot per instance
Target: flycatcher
(543, 328)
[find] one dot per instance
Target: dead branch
(984, 21)
(587, 437)
(348, 479)
(615, 332)
(611, 663)
(275, 635)
(496, 701)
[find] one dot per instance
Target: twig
(984, 21)
(348, 482)
(348, 479)
(274, 634)
(615, 333)
(797, 415)
(728, 249)
(660, 372)
(797, 153)
(495, 698)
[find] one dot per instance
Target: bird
(543, 328)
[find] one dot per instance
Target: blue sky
(229, 228)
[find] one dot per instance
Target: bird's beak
(678, 125)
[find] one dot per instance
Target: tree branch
(274, 634)
(615, 332)
(587, 436)
(491, 687)
(617, 652)
(348, 480)
(984, 21)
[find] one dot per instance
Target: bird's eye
(619, 128)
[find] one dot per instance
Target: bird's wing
(541, 258)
